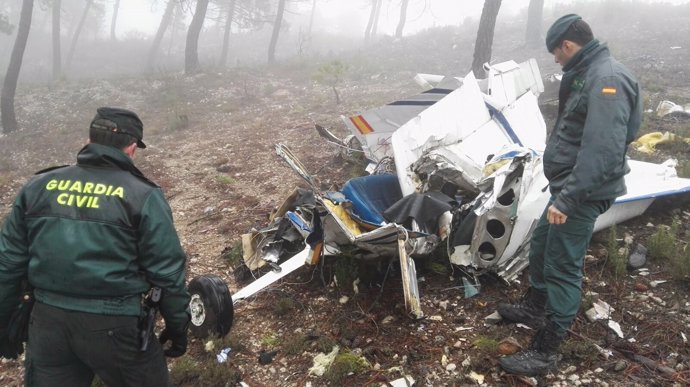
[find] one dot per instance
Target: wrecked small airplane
(458, 164)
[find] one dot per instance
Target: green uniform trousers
(66, 348)
(556, 257)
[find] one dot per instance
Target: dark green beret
(554, 36)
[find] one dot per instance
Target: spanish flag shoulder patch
(608, 90)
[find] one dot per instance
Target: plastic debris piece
(600, 310)
(323, 361)
(616, 327)
(405, 381)
(656, 283)
(266, 357)
(222, 356)
(470, 290)
(479, 378)
(493, 318)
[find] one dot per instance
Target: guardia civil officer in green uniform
(92, 238)
(600, 109)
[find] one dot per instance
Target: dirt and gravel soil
(211, 147)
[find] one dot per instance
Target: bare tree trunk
(534, 21)
(9, 87)
(177, 17)
(57, 55)
(226, 35)
(113, 23)
(370, 24)
(191, 49)
(403, 19)
(375, 27)
(77, 32)
(165, 21)
(485, 36)
(311, 18)
(276, 32)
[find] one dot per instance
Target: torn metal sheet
(410, 287)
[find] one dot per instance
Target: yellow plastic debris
(648, 142)
(344, 217)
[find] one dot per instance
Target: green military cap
(119, 120)
(554, 36)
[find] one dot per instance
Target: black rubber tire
(211, 307)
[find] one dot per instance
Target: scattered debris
(600, 310)
(656, 283)
(323, 361)
(479, 378)
(470, 289)
(267, 357)
(222, 356)
(406, 381)
(616, 327)
(493, 318)
(668, 108)
(647, 143)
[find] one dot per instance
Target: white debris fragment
(628, 239)
(656, 283)
(493, 318)
(479, 378)
(222, 356)
(436, 318)
(322, 361)
(616, 327)
(388, 319)
(344, 299)
(405, 381)
(600, 310)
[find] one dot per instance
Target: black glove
(9, 350)
(178, 342)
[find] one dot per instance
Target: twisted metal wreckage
(468, 173)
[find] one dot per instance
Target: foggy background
(337, 33)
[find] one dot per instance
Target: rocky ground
(211, 147)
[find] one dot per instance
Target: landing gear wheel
(211, 307)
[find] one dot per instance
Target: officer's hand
(8, 350)
(178, 342)
(555, 216)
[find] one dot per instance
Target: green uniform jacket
(600, 110)
(93, 238)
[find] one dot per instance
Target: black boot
(529, 310)
(541, 357)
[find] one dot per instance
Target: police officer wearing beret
(599, 113)
(92, 239)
